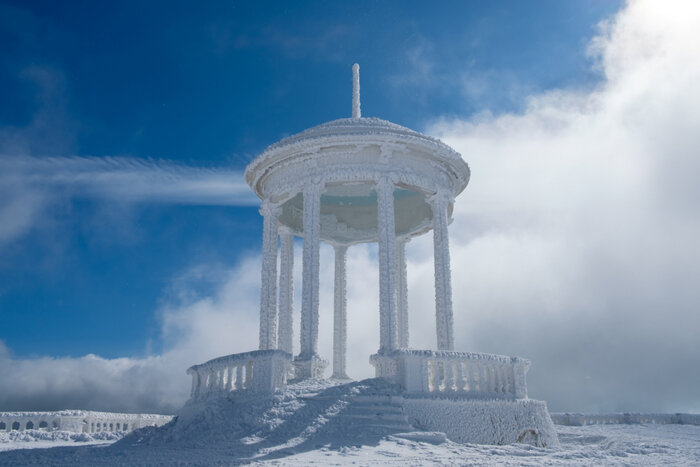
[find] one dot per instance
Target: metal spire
(356, 112)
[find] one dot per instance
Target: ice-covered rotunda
(348, 181)
(344, 182)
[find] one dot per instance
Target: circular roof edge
(349, 127)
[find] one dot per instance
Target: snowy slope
(316, 423)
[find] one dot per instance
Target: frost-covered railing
(580, 419)
(458, 373)
(258, 371)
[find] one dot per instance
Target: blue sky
(213, 85)
(129, 242)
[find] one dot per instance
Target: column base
(341, 377)
(384, 366)
(308, 368)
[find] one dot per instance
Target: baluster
(471, 378)
(449, 375)
(249, 375)
(435, 365)
(496, 378)
(460, 375)
(229, 379)
(483, 378)
(507, 373)
(239, 376)
(501, 378)
(425, 375)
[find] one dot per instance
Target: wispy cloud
(27, 184)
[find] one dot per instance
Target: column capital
(285, 230)
(386, 179)
(441, 197)
(314, 183)
(268, 208)
(403, 239)
(340, 246)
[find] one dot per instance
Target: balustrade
(459, 373)
(258, 371)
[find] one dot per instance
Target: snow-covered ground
(315, 423)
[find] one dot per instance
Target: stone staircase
(374, 416)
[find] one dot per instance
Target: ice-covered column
(268, 286)
(387, 269)
(443, 287)
(307, 363)
(286, 292)
(340, 315)
(401, 292)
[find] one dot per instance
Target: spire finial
(356, 112)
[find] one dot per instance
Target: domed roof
(356, 127)
(347, 157)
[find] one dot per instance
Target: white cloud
(574, 245)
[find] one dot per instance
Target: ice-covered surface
(484, 421)
(84, 413)
(358, 423)
(30, 439)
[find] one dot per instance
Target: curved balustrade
(459, 373)
(579, 419)
(258, 371)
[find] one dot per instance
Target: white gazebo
(357, 180)
(353, 180)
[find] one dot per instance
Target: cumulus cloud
(574, 245)
(195, 329)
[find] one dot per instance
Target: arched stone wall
(78, 421)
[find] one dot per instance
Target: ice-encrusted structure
(79, 421)
(358, 180)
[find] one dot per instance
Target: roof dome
(348, 156)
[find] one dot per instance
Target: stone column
(340, 315)
(443, 287)
(401, 293)
(268, 285)
(387, 269)
(286, 292)
(308, 364)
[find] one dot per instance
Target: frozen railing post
(458, 373)
(257, 371)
